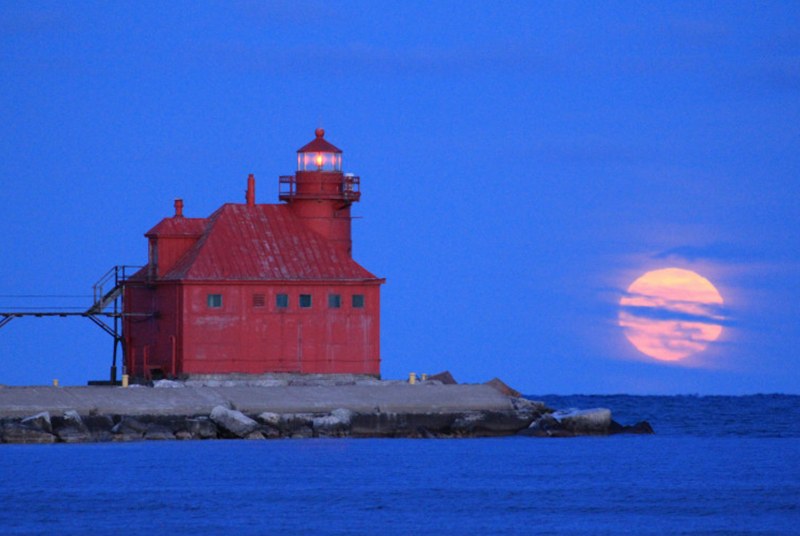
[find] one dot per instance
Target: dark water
(718, 465)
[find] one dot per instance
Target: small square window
(305, 301)
(258, 300)
(282, 301)
(214, 301)
(334, 301)
(358, 301)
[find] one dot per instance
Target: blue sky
(521, 164)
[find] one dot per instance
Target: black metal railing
(349, 189)
(109, 285)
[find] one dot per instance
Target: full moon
(670, 314)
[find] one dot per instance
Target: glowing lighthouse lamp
(319, 155)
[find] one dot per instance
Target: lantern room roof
(319, 144)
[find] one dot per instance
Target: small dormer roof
(178, 227)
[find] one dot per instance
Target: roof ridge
(263, 242)
(194, 251)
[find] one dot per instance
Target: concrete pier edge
(182, 410)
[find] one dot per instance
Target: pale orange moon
(670, 314)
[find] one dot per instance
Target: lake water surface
(717, 465)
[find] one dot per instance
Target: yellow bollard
(55, 382)
(424, 376)
(124, 380)
(412, 378)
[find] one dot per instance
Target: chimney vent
(250, 196)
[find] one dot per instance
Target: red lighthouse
(258, 288)
(320, 194)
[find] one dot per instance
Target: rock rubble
(301, 407)
(528, 418)
(577, 422)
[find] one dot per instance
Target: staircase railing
(110, 286)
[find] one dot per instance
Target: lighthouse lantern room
(319, 155)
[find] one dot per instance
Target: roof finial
(320, 132)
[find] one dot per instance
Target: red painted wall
(168, 250)
(241, 337)
(321, 208)
(149, 339)
(186, 336)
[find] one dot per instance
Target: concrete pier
(199, 400)
(266, 410)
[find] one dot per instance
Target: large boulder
(546, 426)
(201, 428)
(158, 432)
(128, 429)
(270, 418)
(99, 426)
(70, 428)
(16, 432)
(490, 423)
(445, 377)
(73, 435)
(272, 424)
(297, 425)
(503, 387)
(585, 421)
(642, 428)
(235, 423)
(570, 423)
(40, 421)
(530, 409)
(336, 423)
(73, 418)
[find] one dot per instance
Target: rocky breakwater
(178, 411)
(581, 422)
